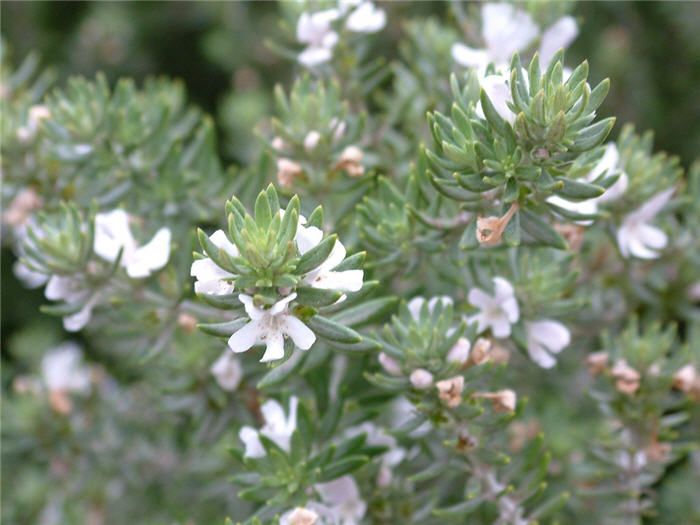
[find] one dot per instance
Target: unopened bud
(279, 144)
(503, 400)
(459, 353)
(390, 364)
(302, 516)
(489, 230)
(60, 402)
(480, 352)
(597, 362)
(24, 203)
(187, 322)
(627, 377)
(421, 378)
(573, 233)
(687, 380)
(287, 172)
(350, 160)
(450, 390)
(311, 140)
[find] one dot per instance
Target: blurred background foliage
(650, 51)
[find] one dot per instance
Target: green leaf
(492, 115)
(540, 230)
(333, 331)
(283, 371)
(593, 135)
(574, 189)
(316, 255)
(460, 510)
(512, 190)
(511, 233)
(469, 240)
(223, 329)
(317, 297)
(366, 312)
(336, 469)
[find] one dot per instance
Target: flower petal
(150, 257)
(496, 87)
(479, 298)
(469, 57)
(274, 349)
(500, 326)
(558, 35)
(245, 337)
(539, 355)
(251, 440)
(301, 334)
(506, 29)
(550, 333)
(111, 234)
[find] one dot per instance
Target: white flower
(421, 378)
(638, 238)
(315, 31)
(323, 275)
(505, 30)
(227, 371)
(497, 312)
(559, 35)
(459, 353)
(278, 428)
(299, 516)
(63, 370)
(29, 277)
(269, 326)
(211, 279)
(366, 18)
(112, 233)
(74, 292)
(377, 437)
(343, 499)
(544, 338)
(607, 164)
(416, 304)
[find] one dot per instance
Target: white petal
(313, 56)
(506, 29)
(510, 307)
(444, 300)
(58, 287)
(469, 57)
(112, 233)
(338, 491)
(245, 337)
(540, 355)
(281, 305)
(273, 413)
(500, 326)
(307, 237)
(301, 334)
(345, 281)
(587, 207)
(366, 19)
(220, 240)
(150, 257)
(615, 191)
(552, 334)
(274, 349)
(253, 311)
(77, 321)
(479, 298)
(29, 278)
(414, 306)
(638, 248)
(481, 321)
(653, 206)
(653, 237)
(227, 371)
(607, 163)
(496, 87)
(558, 35)
(253, 447)
(504, 289)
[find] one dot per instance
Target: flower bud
(597, 362)
(287, 172)
(350, 160)
(311, 140)
(26, 201)
(383, 476)
(450, 390)
(684, 378)
(480, 352)
(187, 322)
(627, 377)
(421, 378)
(503, 400)
(459, 353)
(279, 144)
(60, 402)
(390, 364)
(302, 516)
